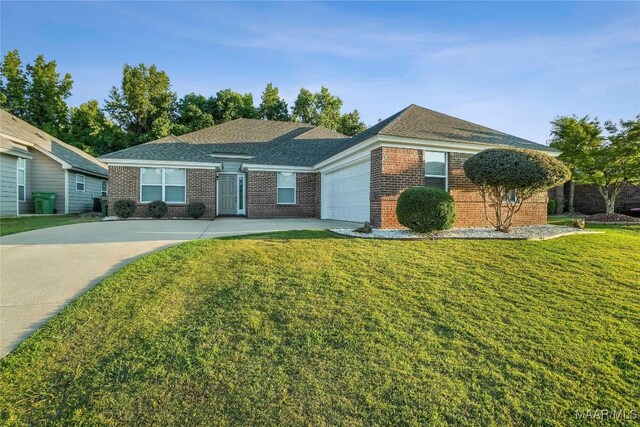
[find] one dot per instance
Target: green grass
(28, 223)
(305, 328)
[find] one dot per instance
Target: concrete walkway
(43, 270)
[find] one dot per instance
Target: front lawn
(28, 223)
(305, 328)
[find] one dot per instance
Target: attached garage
(345, 192)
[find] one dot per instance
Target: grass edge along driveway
(308, 328)
(35, 222)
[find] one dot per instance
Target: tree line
(143, 107)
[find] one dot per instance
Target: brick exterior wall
(124, 183)
(392, 171)
(396, 169)
(262, 196)
(588, 200)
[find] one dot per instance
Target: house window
(22, 181)
(168, 185)
(286, 188)
(511, 197)
(79, 182)
(105, 187)
(435, 169)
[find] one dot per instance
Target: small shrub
(124, 208)
(196, 209)
(425, 209)
(578, 223)
(551, 206)
(157, 209)
(366, 228)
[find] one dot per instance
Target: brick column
(393, 170)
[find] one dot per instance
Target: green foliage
(500, 173)
(354, 331)
(350, 124)
(157, 209)
(144, 104)
(28, 223)
(552, 205)
(229, 105)
(196, 209)
(323, 109)
(90, 130)
(124, 208)
(610, 161)
(425, 209)
(13, 85)
(193, 112)
(272, 106)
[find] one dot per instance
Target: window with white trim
(511, 197)
(22, 180)
(79, 182)
(105, 187)
(286, 188)
(168, 185)
(435, 167)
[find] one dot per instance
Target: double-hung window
(79, 182)
(105, 187)
(168, 185)
(22, 180)
(435, 169)
(286, 188)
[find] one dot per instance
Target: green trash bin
(44, 201)
(104, 204)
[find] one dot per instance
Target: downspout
(66, 191)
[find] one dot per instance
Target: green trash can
(44, 201)
(104, 204)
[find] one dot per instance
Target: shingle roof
(78, 159)
(299, 144)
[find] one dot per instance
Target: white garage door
(345, 192)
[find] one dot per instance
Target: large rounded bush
(124, 208)
(425, 209)
(525, 171)
(157, 209)
(196, 209)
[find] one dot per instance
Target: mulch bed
(605, 217)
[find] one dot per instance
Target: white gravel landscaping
(531, 232)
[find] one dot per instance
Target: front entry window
(168, 185)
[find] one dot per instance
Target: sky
(511, 66)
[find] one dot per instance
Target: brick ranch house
(269, 169)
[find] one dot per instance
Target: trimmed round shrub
(124, 208)
(425, 209)
(157, 209)
(196, 209)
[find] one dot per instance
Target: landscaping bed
(532, 232)
(615, 218)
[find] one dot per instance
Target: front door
(227, 197)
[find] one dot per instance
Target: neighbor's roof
(20, 131)
(300, 144)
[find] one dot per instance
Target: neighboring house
(32, 160)
(588, 200)
(267, 169)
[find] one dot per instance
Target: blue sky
(510, 66)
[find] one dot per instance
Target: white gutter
(163, 163)
(276, 168)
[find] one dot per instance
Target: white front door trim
(239, 176)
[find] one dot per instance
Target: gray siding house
(32, 160)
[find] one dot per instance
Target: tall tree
(229, 105)
(610, 161)
(327, 109)
(350, 123)
(144, 104)
(303, 109)
(90, 130)
(13, 85)
(577, 139)
(272, 106)
(193, 113)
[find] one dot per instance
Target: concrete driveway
(43, 270)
